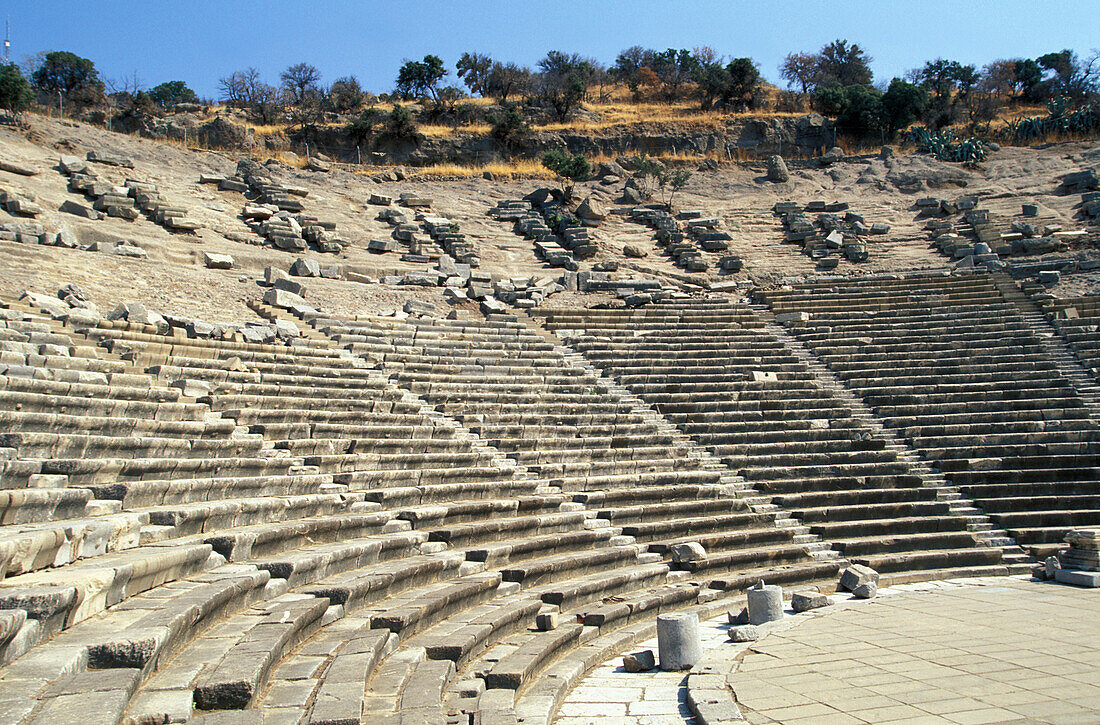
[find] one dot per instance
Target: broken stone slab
(805, 601)
(592, 209)
(81, 210)
(744, 633)
(193, 388)
(303, 267)
(416, 307)
(546, 621)
(855, 575)
(108, 158)
(1076, 577)
(642, 661)
(19, 169)
(213, 260)
(128, 249)
(286, 330)
(283, 299)
(70, 165)
(273, 274)
(788, 317)
(290, 286)
(380, 200)
(866, 590)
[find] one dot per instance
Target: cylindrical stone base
(678, 641)
(765, 605)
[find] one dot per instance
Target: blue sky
(200, 41)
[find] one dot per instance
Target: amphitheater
(463, 512)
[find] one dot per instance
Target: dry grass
(517, 168)
(298, 161)
(447, 131)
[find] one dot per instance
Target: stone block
(805, 601)
(744, 633)
(213, 260)
(1088, 579)
(642, 661)
(303, 267)
(688, 552)
(855, 575)
(866, 590)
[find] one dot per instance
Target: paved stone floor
(994, 650)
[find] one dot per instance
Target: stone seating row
(974, 365)
(746, 397)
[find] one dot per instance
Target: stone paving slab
(1002, 650)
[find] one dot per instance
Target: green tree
(902, 104)
(474, 70)
(948, 83)
(744, 85)
(568, 168)
(15, 93)
(170, 94)
(843, 63)
(857, 108)
(673, 181)
(75, 78)
(1029, 78)
(420, 79)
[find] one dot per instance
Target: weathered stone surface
(765, 603)
(81, 210)
(866, 590)
(855, 575)
(546, 621)
(678, 641)
(214, 260)
(744, 633)
(303, 267)
(805, 601)
(642, 661)
(281, 298)
(635, 252)
(777, 170)
(15, 168)
(687, 552)
(592, 209)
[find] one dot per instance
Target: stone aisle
(978, 650)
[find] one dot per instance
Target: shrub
(569, 169)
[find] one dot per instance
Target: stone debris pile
(149, 200)
(1079, 564)
(406, 234)
(19, 203)
(531, 224)
(835, 232)
(277, 213)
(671, 236)
(974, 238)
(107, 198)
